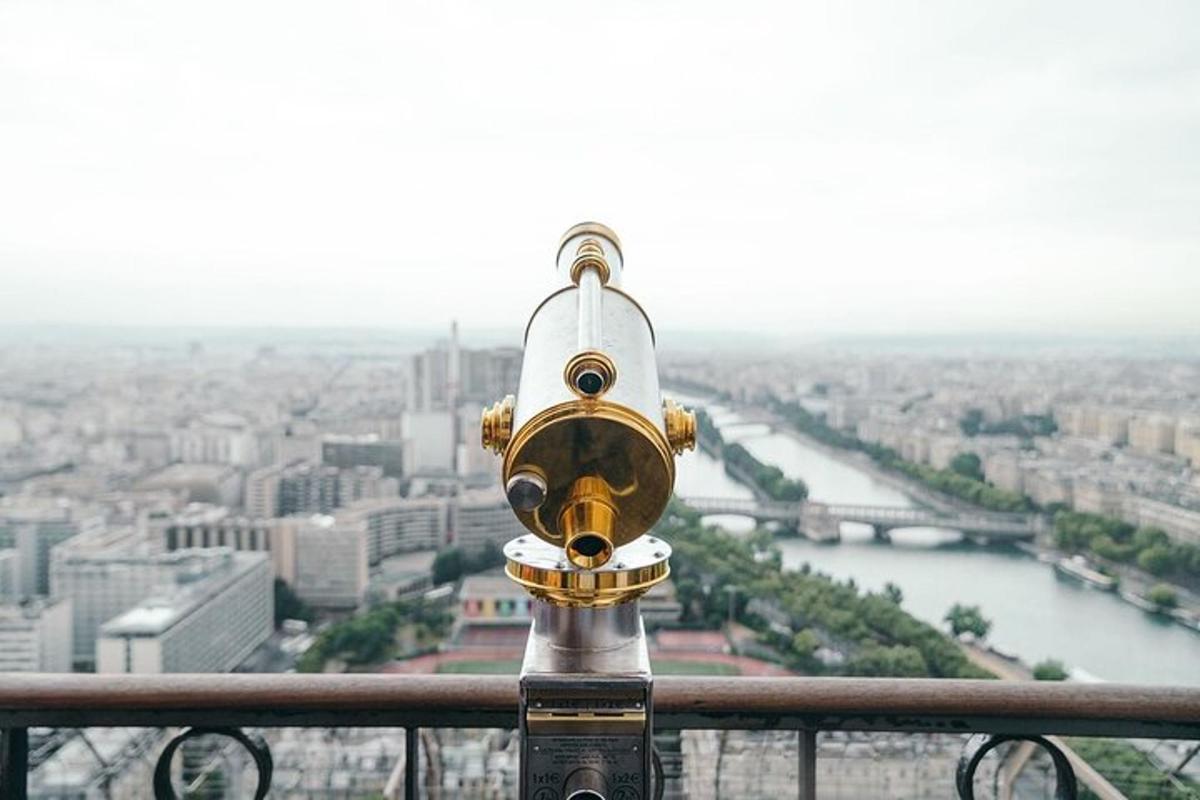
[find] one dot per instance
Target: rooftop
(491, 584)
(175, 474)
(21, 508)
(211, 571)
(355, 438)
(21, 615)
(417, 561)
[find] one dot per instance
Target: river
(1035, 613)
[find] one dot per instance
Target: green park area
(806, 621)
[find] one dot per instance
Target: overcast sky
(873, 168)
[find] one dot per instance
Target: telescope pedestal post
(586, 718)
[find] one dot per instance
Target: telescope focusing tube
(588, 444)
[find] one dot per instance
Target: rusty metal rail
(806, 705)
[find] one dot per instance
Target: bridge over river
(821, 521)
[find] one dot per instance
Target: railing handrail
(473, 701)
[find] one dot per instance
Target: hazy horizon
(861, 169)
(677, 340)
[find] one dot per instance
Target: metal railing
(224, 704)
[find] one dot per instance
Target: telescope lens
(589, 551)
(589, 545)
(589, 382)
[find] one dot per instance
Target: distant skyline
(789, 170)
(673, 341)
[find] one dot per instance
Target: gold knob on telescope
(495, 426)
(590, 255)
(589, 252)
(681, 426)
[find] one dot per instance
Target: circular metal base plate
(543, 569)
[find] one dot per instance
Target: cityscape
(263, 503)
(847, 447)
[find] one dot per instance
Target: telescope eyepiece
(589, 382)
(589, 550)
(590, 374)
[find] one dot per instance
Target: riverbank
(920, 494)
(835, 625)
(1135, 584)
(1036, 613)
(766, 481)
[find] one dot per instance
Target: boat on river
(1077, 567)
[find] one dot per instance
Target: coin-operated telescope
(588, 448)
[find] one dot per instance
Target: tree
(893, 592)
(1050, 670)
(1105, 547)
(448, 566)
(971, 422)
(1146, 538)
(1128, 768)
(371, 637)
(767, 477)
(805, 643)
(707, 430)
(897, 661)
(967, 465)
(967, 619)
(873, 635)
(484, 558)
(1163, 597)
(1157, 560)
(288, 605)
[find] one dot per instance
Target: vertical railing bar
(1178, 769)
(412, 756)
(14, 763)
(808, 764)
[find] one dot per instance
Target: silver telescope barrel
(591, 311)
(590, 257)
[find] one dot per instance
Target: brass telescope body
(588, 450)
(588, 444)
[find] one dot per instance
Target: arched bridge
(820, 521)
